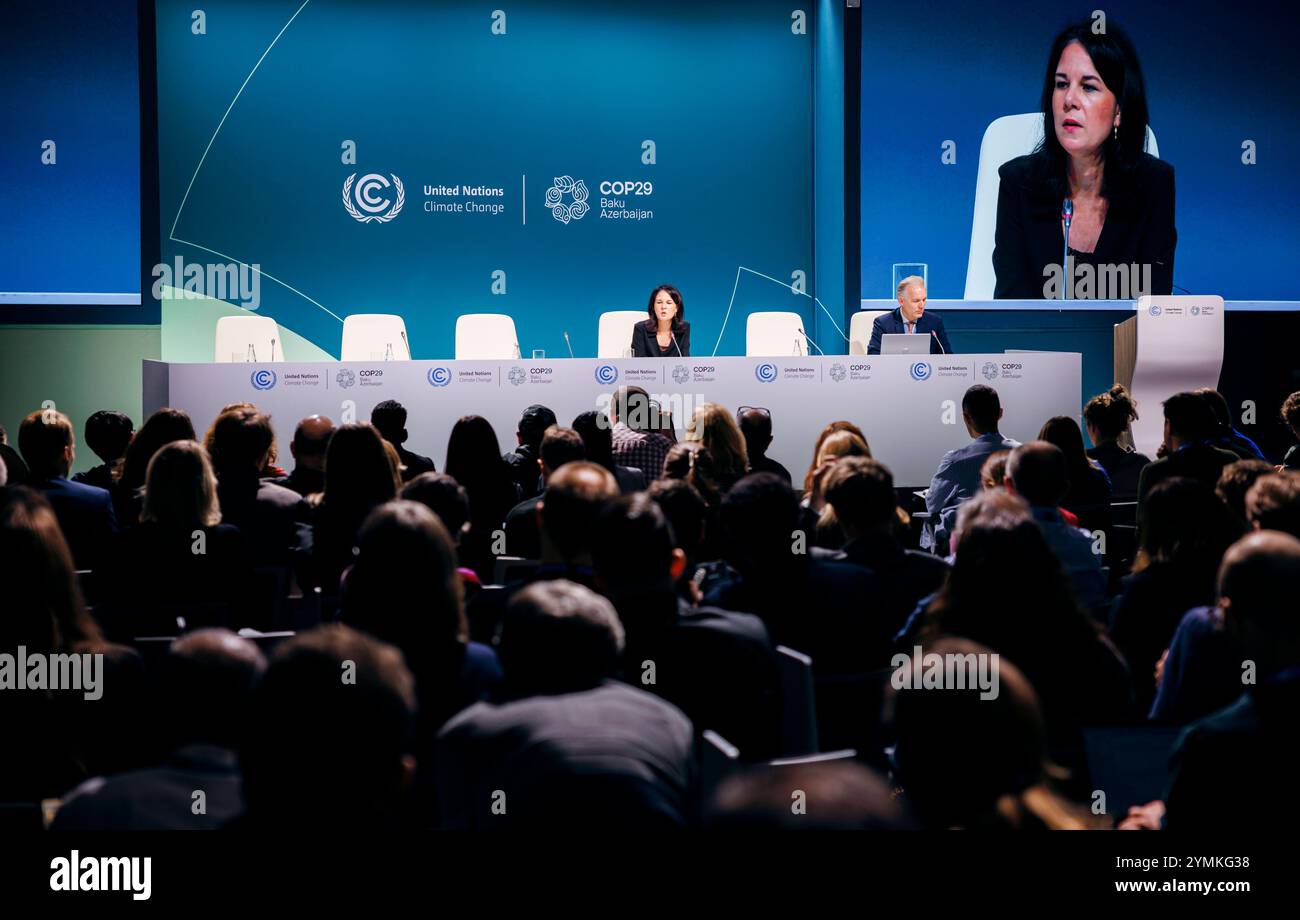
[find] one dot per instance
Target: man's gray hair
(908, 282)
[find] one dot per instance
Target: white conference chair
(1005, 139)
(860, 330)
(775, 334)
(486, 337)
(614, 334)
(374, 337)
(247, 338)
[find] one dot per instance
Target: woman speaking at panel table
(1092, 171)
(666, 333)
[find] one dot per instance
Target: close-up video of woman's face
(1082, 103)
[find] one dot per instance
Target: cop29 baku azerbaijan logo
(345, 378)
(576, 194)
(989, 370)
(263, 379)
(1195, 311)
(371, 202)
(920, 371)
(516, 376)
(1155, 309)
(681, 374)
(439, 376)
(606, 374)
(838, 372)
(765, 372)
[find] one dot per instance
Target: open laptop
(900, 343)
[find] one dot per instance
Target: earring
(1117, 131)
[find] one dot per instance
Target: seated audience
(523, 459)
(85, 513)
(389, 419)
(1291, 416)
(310, 440)
(816, 517)
(273, 519)
(1037, 473)
(1226, 436)
(1233, 770)
(1107, 417)
(207, 679)
(1185, 531)
(756, 427)
(817, 449)
(717, 666)
(107, 434)
(1190, 429)
(15, 471)
(573, 747)
(1235, 481)
(839, 795)
(993, 473)
(1273, 503)
(327, 746)
(598, 438)
(958, 476)
(1009, 785)
(446, 498)
(559, 446)
(358, 479)
(861, 491)
(689, 518)
(1087, 493)
(637, 434)
(162, 427)
(474, 460)
(713, 428)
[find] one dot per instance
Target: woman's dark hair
(690, 462)
(679, 321)
(1064, 432)
(597, 436)
(163, 427)
(1117, 64)
(1111, 413)
(1185, 523)
(474, 454)
(358, 475)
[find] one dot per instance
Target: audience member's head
(842, 444)
(630, 406)
(208, 678)
(981, 409)
(838, 795)
(474, 454)
(756, 428)
(241, 444)
(1006, 785)
(108, 433)
(574, 496)
(45, 439)
(1235, 481)
(712, 426)
(1257, 584)
(1189, 419)
(358, 473)
(633, 549)
(560, 446)
(180, 492)
(43, 608)
(759, 514)
(687, 461)
(443, 496)
(686, 511)
(1291, 412)
(1108, 415)
(993, 473)
(861, 490)
(329, 735)
(1186, 524)
(403, 586)
(1273, 503)
(389, 419)
(1219, 406)
(1064, 432)
(558, 637)
(1037, 472)
(163, 427)
(817, 448)
(532, 426)
(310, 441)
(597, 435)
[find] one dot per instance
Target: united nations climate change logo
(765, 372)
(263, 379)
(838, 372)
(989, 370)
(1155, 309)
(371, 202)
(681, 374)
(516, 376)
(345, 378)
(575, 192)
(439, 376)
(606, 374)
(920, 371)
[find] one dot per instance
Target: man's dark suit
(85, 516)
(645, 343)
(892, 323)
(273, 519)
(523, 535)
(1195, 461)
(905, 576)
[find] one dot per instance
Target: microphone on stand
(567, 342)
(808, 338)
(1067, 215)
(674, 338)
(935, 335)
(272, 349)
(406, 343)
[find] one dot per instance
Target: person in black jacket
(1093, 153)
(666, 333)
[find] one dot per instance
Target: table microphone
(272, 349)
(808, 338)
(406, 343)
(1067, 215)
(936, 338)
(567, 342)
(674, 338)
